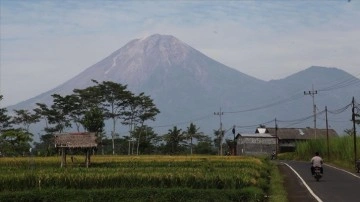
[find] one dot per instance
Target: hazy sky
(45, 43)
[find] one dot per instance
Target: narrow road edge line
(303, 181)
(348, 172)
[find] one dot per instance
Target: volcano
(188, 86)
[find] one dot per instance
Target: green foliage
(277, 192)
(147, 139)
(205, 147)
(5, 122)
(341, 150)
(25, 118)
(94, 121)
(88, 108)
(146, 178)
(15, 142)
(46, 146)
(175, 139)
(130, 195)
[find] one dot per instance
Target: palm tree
(174, 138)
(192, 132)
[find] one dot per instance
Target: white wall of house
(255, 145)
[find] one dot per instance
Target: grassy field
(139, 178)
(340, 151)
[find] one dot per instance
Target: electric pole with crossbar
(313, 93)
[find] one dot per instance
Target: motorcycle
(317, 173)
(273, 155)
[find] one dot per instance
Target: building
(255, 144)
(287, 137)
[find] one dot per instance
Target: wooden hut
(66, 141)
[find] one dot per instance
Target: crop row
(134, 173)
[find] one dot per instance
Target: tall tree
(72, 106)
(147, 141)
(115, 98)
(94, 121)
(147, 111)
(193, 132)
(15, 142)
(139, 109)
(43, 112)
(45, 147)
(174, 139)
(205, 146)
(5, 120)
(89, 110)
(56, 116)
(90, 97)
(25, 118)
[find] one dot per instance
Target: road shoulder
(296, 190)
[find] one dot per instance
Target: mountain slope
(334, 89)
(159, 61)
(188, 86)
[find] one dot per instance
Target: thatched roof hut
(85, 141)
(75, 140)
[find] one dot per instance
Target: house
(255, 144)
(287, 137)
(84, 141)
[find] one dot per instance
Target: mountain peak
(185, 83)
(164, 47)
(159, 37)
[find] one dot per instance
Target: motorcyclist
(273, 155)
(316, 161)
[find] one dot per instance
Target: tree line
(87, 110)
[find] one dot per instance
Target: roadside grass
(277, 192)
(338, 151)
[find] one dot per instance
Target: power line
(255, 125)
(343, 83)
(338, 111)
(183, 122)
(294, 97)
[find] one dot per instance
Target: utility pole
(276, 129)
(129, 145)
(313, 93)
(234, 144)
(327, 134)
(354, 127)
(221, 133)
(113, 141)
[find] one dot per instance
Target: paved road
(335, 186)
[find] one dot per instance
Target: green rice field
(135, 178)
